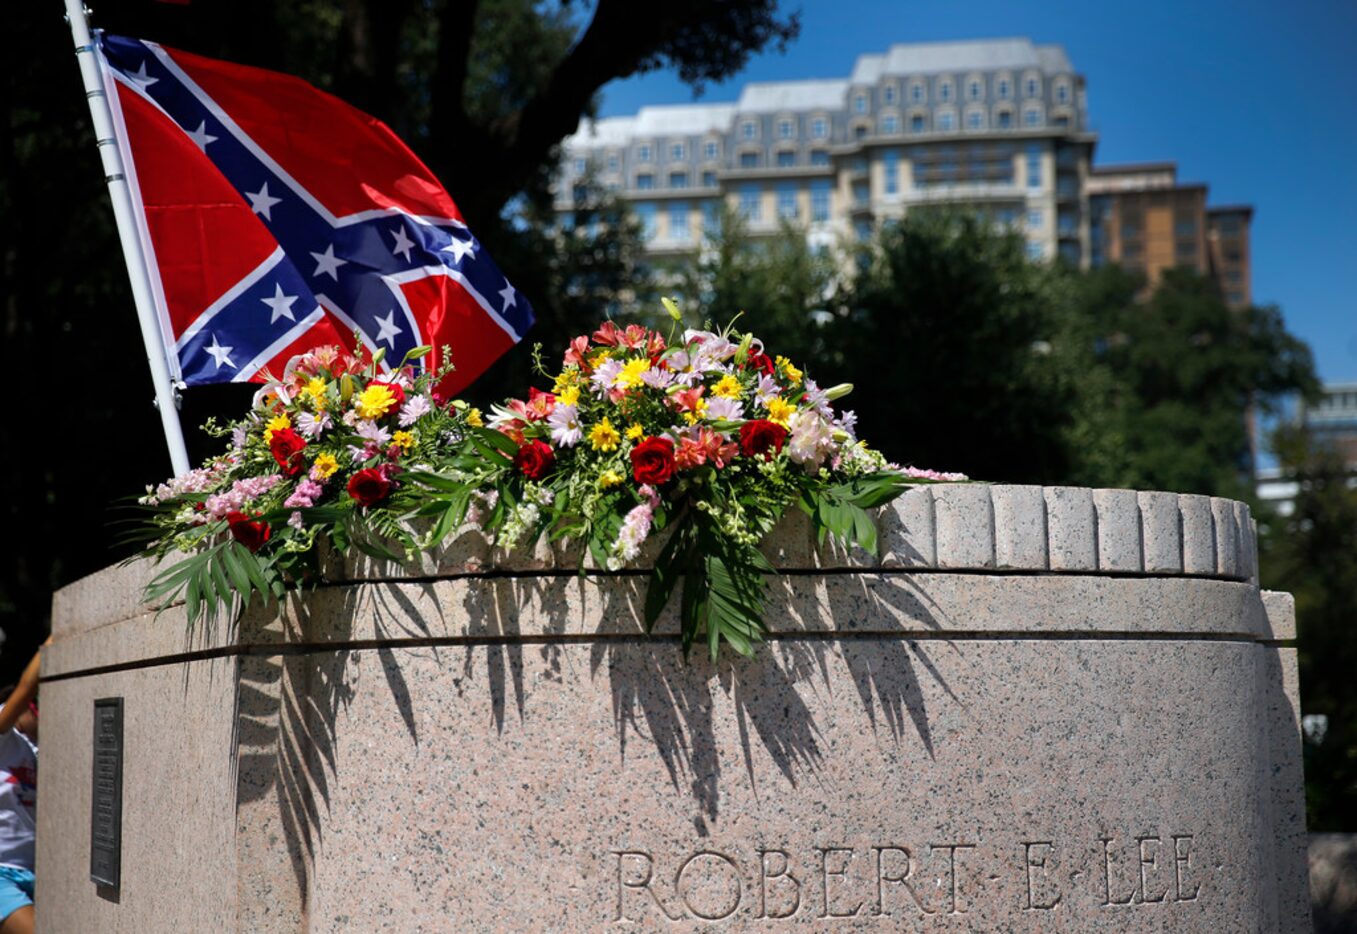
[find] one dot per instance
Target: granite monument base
(1041, 710)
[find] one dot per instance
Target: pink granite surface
(1042, 710)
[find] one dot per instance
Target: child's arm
(24, 692)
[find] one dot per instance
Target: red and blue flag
(276, 218)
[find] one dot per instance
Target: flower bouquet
(697, 437)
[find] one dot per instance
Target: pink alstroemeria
(686, 400)
(608, 335)
(575, 353)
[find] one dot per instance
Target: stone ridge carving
(974, 527)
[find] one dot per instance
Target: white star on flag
(327, 263)
(387, 330)
(261, 202)
(220, 353)
(142, 78)
(281, 304)
(507, 293)
(403, 244)
(460, 249)
(201, 137)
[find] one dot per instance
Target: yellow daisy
(780, 411)
(727, 388)
(325, 466)
(277, 423)
(604, 437)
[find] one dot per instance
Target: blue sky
(1255, 99)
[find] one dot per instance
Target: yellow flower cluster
(789, 370)
(630, 377)
(315, 391)
(609, 479)
(604, 437)
(277, 423)
(780, 411)
(473, 418)
(375, 401)
(570, 395)
(635, 432)
(325, 466)
(404, 439)
(727, 388)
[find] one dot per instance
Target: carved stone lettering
(1182, 862)
(766, 882)
(841, 872)
(709, 885)
(1148, 847)
(628, 880)
(1108, 898)
(896, 858)
(953, 905)
(1035, 853)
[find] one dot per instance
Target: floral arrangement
(698, 440)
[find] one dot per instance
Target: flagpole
(124, 214)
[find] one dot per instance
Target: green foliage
(1313, 554)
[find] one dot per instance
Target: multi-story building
(1144, 219)
(1332, 422)
(999, 125)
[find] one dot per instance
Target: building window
(1034, 166)
(1185, 227)
(859, 132)
(1005, 89)
(819, 157)
(678, 220)
(890, 161)
(945, 91)
(784, 129)
(643, 152)
(1062, 93)
(863, 229)
(1034, 219)
(1035, 251)
(678, 179)
(708, 179)
(1031, 117)
(645, 212)
(916, 123)
(888, 94)
(890, 125)
(861, 195)
(1005, 120)
(916, 92)
(580, 166)
(1130, 230)
(749, 160)
(945, 121)
(748, 129)
(860, 104)
(973, 90)
(645, 181)
(786, 202)
(711, 217)
(580, 193)
(975, 120)
(819, 200)
(710, 151)
(1031, 87)
(786, 159)
(676, 152)
(614, 163)
(751, 197)
(818, 128)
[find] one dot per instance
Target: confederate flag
(276, 218)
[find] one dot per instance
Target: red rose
(369, 486)
(287, 447)
(534, 459)
(252, 535)
(652, 461)
(761, 436)
(762, 362)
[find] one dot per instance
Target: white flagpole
(124, 214)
